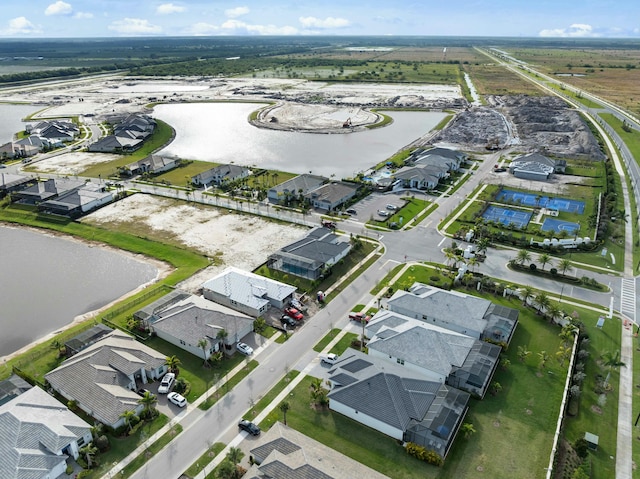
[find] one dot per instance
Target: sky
(512, 18)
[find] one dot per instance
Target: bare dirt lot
(232, 239)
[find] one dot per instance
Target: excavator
(347, 124)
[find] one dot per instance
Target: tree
(483, 244)
(467, 429)
(612, 362)
(259, 325)
(235, 455)
(226, 470)
(222, 336)
(202, 344)
(544, 260)
(89, 452)
(523, 256)
(563, 353)
(172, 363)
(527, 294)
(284, 407)
(523, 353)
(543, 301)
(553, 311)
(544, 358)
(565, 265)
(148, 400)
(496, 387)
(473, 263)
(128, 417)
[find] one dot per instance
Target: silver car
(244, 349)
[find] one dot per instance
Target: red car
(293, 313)
(360, 316)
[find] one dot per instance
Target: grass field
(492, 79)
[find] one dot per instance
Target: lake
(12, 116)
(47, 281)
(221, 133)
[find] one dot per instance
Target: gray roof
(285, 453)
(76, 199)
(12, 387)
(318, 248)
(333, 192)
(419, 173)
(88, 337)
(148, 313)
(305, 182)
(248, 288)
(97, 377)
(34, 427)
(9, 180)
(50, 188)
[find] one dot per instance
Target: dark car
(288, 321)
(142, 391)
(250, 427)
(351, 211)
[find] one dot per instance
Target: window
(400, 361)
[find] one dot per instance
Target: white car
(244, 349)
(177, 399)
(383, 213)
(167, 383)
(391, 207)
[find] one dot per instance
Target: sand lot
(234, 240)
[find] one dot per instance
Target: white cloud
(236, 12)
(574, 30)
(135, 26)
(329, 22)
(169, 8)
(203, 28)
(59, 8)
(83, 15)
(21, 26)
(236, 27)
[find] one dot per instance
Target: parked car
(177, 399)
(351, 211)
(288, 321)
(383, 213)
(244, 348)
(293, 313)
(250, 427)
(329, 224)
(329, 359)
(142, 391)
(391, 207)
(167, 383)
(359, 316)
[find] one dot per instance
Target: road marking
(628, 298)
(388, 261)
(442, 241)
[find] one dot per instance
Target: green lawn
(320, 345)
(405, 215)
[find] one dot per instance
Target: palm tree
(565, 265)
(202, 344)
(172, 363)
(284, 407)
(148, 400)
(527, 294)
(128, 416)
(563, 353)
(472, 263)
(89, 451)
(611, 361)
(222, 336)
(544, 357)
(496, 387)
(451, 258)
(467, 429)
(483, 244)
(544, 260)
(523, 256)
(553, 311)
(543, 301)
(523, 353)
(235, 455)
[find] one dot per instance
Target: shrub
(533, 267)
(102, 443)
(581, 446)
(424, 454)
(182, 386)
(553, 271)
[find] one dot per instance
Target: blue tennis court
(552, 224)
(533, 200)
(507, 216)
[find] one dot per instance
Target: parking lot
(369, 207)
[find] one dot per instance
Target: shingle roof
(34, 427)
(98, 378)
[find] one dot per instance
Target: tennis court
(552, 224)
(507, 216)
(533, 200)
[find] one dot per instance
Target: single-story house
(187, 322)
(331, 196)
(536, 166)
(44, 129)
(38, 434)
(296, 187)
(12, 150)
(247, 292)
(148, 314)
(78, 202)
(102, 379)
(436, 353)
(451, 159)
(46, 190)
(220, 174)
(10, 182)
(283, 452)
(113, 143)
(32, 142)
(312, 255)
(151, 164)
(456, 311)
(86, 339)
(422, 177)
(396, 401)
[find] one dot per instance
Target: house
(46, 190)
(102, 378)
(12, 387)
(296, 187)
(78, 202)
(153, 164)
(331, 196)
(220, 174)
(312, 255)
(37, 435)
(62, 130)
(86, 339)
(193, 319)
(115, 144)
(456, 311)
(283, 452)
(436, 353)
(247, 292)
(32, 142)
(535, 166)
(421, 177)
(396, 401)
(10, 182)
(451, 159)
(148, 314)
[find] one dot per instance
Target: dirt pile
(474, 129)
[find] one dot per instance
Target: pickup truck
(329, 359)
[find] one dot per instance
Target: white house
(247, 292)
(37, 435)
(220, 174)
